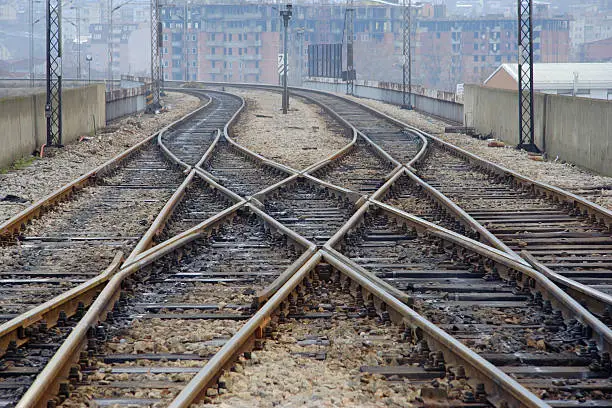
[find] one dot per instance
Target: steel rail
(226, 135)
(68, 302)
(499, 386)
(505, 262)
(171, 156)
(241, 341)
(460, 214)
(335, 190)
(55, 372)
(595, 300)
(275, 88)
(601, 214)
(47, 383)
(14, 224)
(166, 212)
(593, 297)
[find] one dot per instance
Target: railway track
(79, 239)
(241, 280)
(379, 128)
(240, 171)
(312, 210)
(182, 309)
(63, 255)
(561, 237)
(360, 169)
(189, 140)
(513, 324)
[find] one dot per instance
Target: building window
(193, 50)
(212, 50)
(230, 37)
(239, 51)
(194, 64)
(438, 34)
(475, 47)
(230, 51)
(165, 37)
(193, 37)
(256, 64)
(475, 70)
(483, 58)
(212, 64)
(475, 58)
(475, 34)
(239, 37)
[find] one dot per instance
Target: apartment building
(451, 51)
(241, 42)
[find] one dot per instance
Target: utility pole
(110, 43)
(350, 68)
(53, 106)
(186, 46)
(299, 33)
(407, 55)
(31, 21)
(88, 58)
(286, 15)
(78, 16)
(156, 42)
(525, 73)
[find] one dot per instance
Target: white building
(588, 80)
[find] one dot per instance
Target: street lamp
(286, 15)
(88, 58)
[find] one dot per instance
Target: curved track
(475, 308)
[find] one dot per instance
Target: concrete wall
(122, 102)
(446, 105)
(23, 126)
(578, 130)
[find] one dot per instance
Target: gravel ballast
(60, 166)
(302, 137)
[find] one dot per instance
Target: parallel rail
(313, 264)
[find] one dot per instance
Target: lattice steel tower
(156, 41)
(349, 29)
(525, 73)
(53, 107)
(407, 54)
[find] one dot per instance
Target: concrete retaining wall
(122, 102)
(445, 105)
(23, 126)
(578, 130)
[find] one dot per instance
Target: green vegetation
(20, 164)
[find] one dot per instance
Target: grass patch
(19, 164)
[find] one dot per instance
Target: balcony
(256, 57)
(214, 71)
